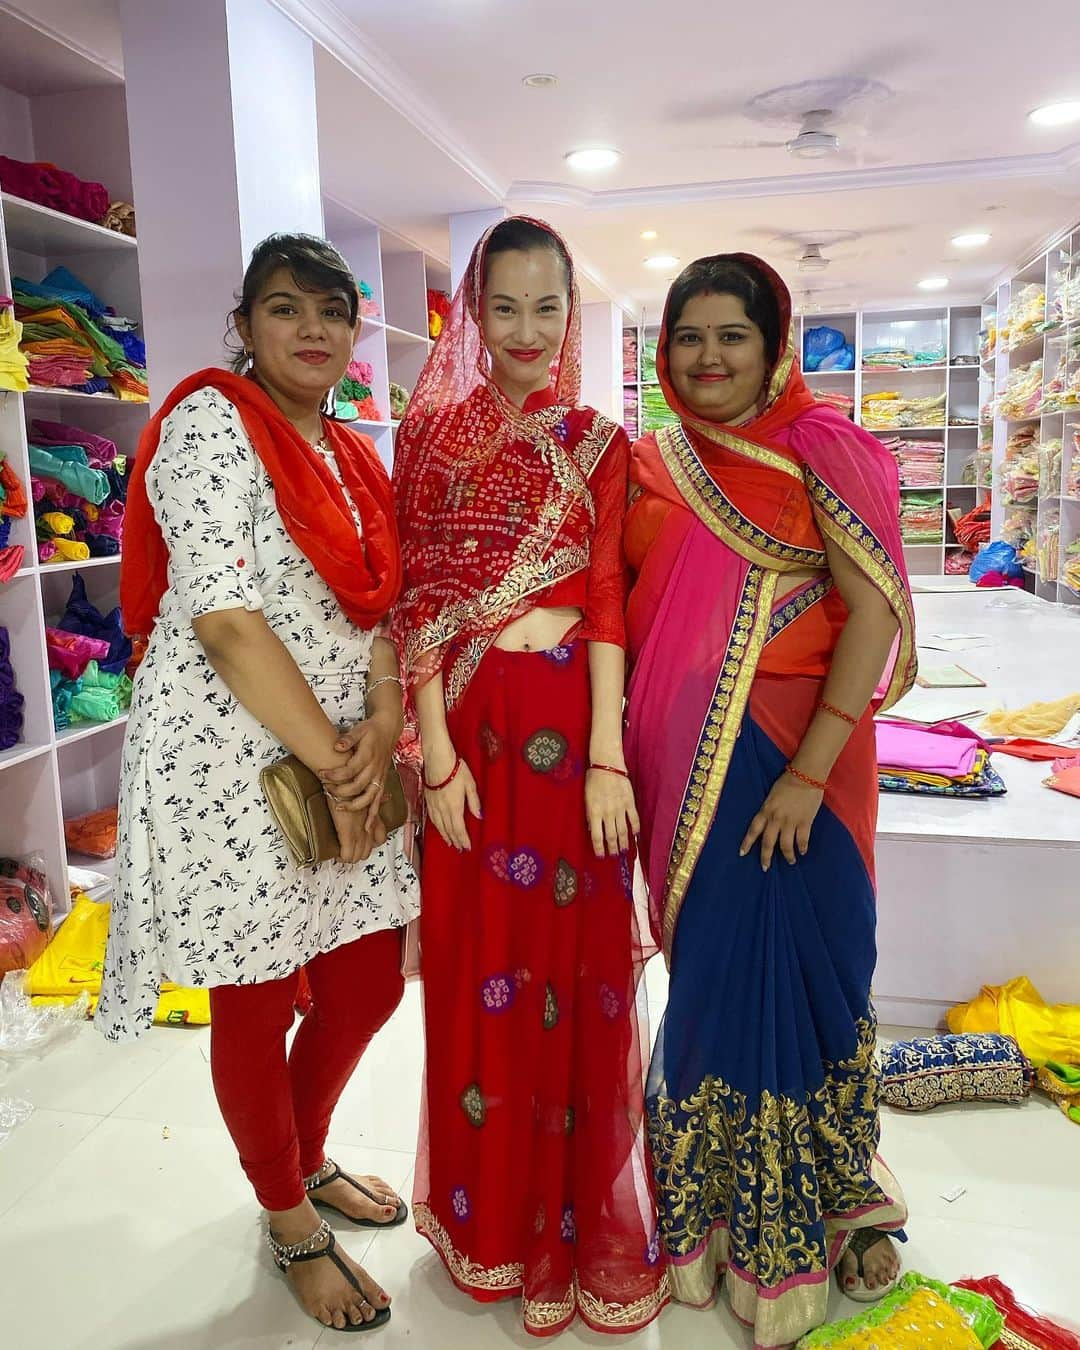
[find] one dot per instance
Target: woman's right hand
(356, 842)
(447, 806)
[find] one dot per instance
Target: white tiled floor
(126, 1224)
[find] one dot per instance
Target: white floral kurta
(206, 893)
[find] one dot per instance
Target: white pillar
(465, 229)
(224, 151)
(601, 358)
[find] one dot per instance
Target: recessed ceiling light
(597, 157)
(933, 283)
(661, 262)
(974, 240)
(540, 81)
(1056, 114)
(648, 234)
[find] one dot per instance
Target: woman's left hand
(785, 820)
(359, 784)
(610, 811)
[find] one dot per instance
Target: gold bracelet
(385, 679)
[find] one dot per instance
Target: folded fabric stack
(921, 464)
(438, 305)
(890, 410)
(631, 412)
(72, 340)
(1070, 573)
(88, 658)
(988, 337)
(654, 410)
(1047, 540)
(369, 306)
(14, 368)
(920, 1314)
(1022, 395)
(79, 483)
(46, 185)
(958, 563)
(1026, 317)
(354, 399)
(843, 403)
(920, 518)
(899, 357)
(1020, 467)
(948, 760)
(11, 701)
(1061, 393)
(629, 356)
(972, 529)
(648, 361)
(399, 400)
(13, 506)
(1072, 475)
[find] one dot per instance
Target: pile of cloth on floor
(14, 367)
(11, 701)
(89, 654)
(73, 340)
(13, 506)
(921, 520)
(921, 464)
(355, 401)
(945, 760)
(890, 410)
(1023, 392)
(79, 482)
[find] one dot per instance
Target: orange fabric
(364, 572)
(14, 503)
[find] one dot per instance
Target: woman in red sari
(770, 597)
(532, 1177)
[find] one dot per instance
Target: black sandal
(310, 1250)
(862, 1239)
(316, 1182)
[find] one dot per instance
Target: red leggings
(278, 1108)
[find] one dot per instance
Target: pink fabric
(924, 750)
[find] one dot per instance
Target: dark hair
(726, 276)
(315, 266)
(517, 235)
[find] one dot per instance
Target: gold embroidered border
(720, 515)
(840, 523)
(799, 603)
(749, 628)
(543, 1315)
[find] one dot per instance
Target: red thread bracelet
(805, 778)
(438, 787)
(610, 768)
(838, 712)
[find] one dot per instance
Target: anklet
(284, 1253)
(319, 1178)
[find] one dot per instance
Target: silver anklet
(284, 1253)
(321, 1177)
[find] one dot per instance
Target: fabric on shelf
(82, 617)
(11, 701)
(94, 833)
(14, 367)
(46, 185)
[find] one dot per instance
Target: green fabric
(67, 464)
(977, 1310)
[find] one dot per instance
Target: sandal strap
(307, 1249)
(862, 1239)
(317, 1180)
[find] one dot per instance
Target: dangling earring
(250, 360)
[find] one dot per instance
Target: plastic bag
(26, 910)
(26, 1029)
(14, 1111)
(843, 358)
(996, 557)
(818, 343)
(93, 835)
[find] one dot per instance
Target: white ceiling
(423, 112)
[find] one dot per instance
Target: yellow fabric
(13, 364)
(71, 964)
(58, 521)
(1042, 1030)
(924, 1322)
(73, 550)
(1036, 721)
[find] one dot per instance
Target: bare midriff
(539, 630)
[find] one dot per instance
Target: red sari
(532, 1177)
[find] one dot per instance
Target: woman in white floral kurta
(257, 498)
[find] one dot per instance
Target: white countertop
(1033, 654)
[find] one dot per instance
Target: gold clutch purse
(302, 813)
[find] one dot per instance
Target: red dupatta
(493, 500)
(363, 572)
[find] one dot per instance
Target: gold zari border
(750, 627)
(721, 516)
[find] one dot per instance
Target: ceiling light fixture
(974, 240)
(648, 234)
(596, 157)
(1056, 114)
(661, 262)
(540, 81)
(933, 283)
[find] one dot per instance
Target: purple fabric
(11, 701)
(100, 452)
(82, 617)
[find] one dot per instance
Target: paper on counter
(952, 642)
(939, 705)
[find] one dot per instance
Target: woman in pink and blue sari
(769, 619)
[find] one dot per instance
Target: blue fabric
(84, 618)
(930, 1071)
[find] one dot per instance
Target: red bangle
(838, 712)
(610, 768)
(805, 778)
(438, 787)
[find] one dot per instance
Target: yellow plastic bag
(72, 964)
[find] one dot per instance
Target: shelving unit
(956, 331)
(396, 344)
(1034, 315)
(49, 775)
